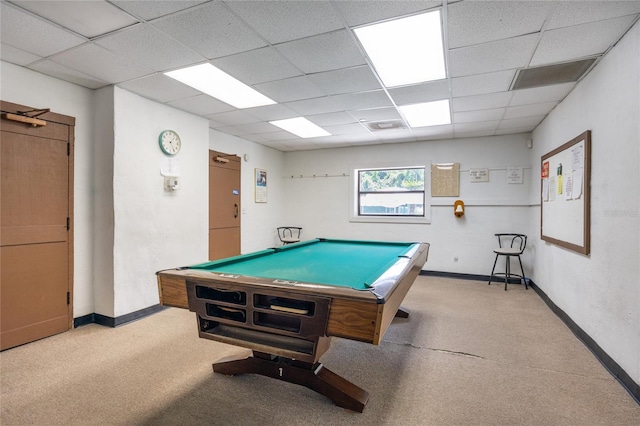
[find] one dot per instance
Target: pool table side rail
(357, 320)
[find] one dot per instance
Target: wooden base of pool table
(311, 375)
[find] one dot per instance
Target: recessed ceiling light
(427, 114)
(407, 50)
(300, 126)
(217, 83)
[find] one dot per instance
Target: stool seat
(509, 245)
(508, 251)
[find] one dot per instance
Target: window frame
(354, 204)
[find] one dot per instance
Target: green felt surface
(355, 264)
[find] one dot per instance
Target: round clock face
(169, 142)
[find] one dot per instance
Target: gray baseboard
(117, 321)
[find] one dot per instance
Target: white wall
(321, 204)
(155, 229)
(103, 202)
(23, 86)
(258, 220)
(601, 292)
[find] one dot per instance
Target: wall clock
(170, 142)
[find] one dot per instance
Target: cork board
(445, 180)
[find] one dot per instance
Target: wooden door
(224, 205)
(36, 243)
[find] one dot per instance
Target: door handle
(235, 211)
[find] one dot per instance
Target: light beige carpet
(469, 354)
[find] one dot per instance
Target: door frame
(8, 107)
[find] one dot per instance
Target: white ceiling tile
(361, 12)
(482, 83)
(557, 92)
(291, 89)
(282, 21)
(486, 101)
(160, 88)
(346, 129)
(147, 10)
(88, 18)
(210, 30)
(270, 63)
(524, 122)
(493, 56)
(202, 105)
(260, 127)
(97, 61)
(332, 118)
(471, 127)
(478, 115)
(363, 100)
(473, 23)
(150, 47)
(418, 93)
(324, 52)
(565, 44)
(31, 34)
(315, 106)
(215, 124)
(478, 133)
(279, 136)
(529, 110)
(234, 130)
(515, 130)
(255, 138)
(233, 118)
(580, 12)
(376, 114)
(442, 131)
(346, 80)
(271, 112)
(359, 138)
(16, 56)
(397, 135)
(67, 74)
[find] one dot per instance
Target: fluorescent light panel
(427, 114)
(406, 50)
(217, 83)
(300, 126)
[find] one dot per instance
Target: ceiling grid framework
(304, 55)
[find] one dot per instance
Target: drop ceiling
(305, 56)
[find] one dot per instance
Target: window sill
(385, 219)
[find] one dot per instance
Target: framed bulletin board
(565, 195)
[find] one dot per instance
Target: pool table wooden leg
(311, 375)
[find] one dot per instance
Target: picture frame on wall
(260, 186)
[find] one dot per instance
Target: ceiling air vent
(379, 126)
(551, 74)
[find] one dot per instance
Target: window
(391, 192)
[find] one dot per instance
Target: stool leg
(507, 272)
(493, 269)
(526, 287)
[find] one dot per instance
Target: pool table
(286, 303)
